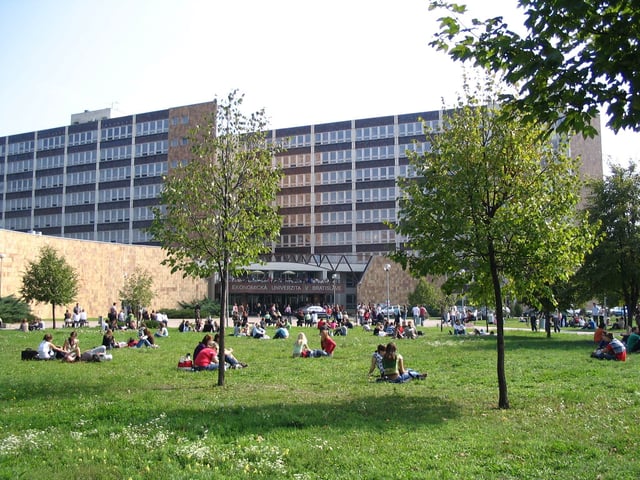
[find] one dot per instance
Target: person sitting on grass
(47, 350)
(207, 358)
(633, 341)
(228, 355)
(393, 365)
(72, 347)
(301, 346)
(376, 361)
(327, 345)
(614, 349)
(259, 332)
(162, 331)
(459, 328)
(410, 331)
(146, 339)
(598, 334)
(281, 332)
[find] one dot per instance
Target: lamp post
(334, 277)
(387, 268)
(2, 255)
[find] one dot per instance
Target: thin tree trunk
(503, 397)
(223, 309)
(53, 314)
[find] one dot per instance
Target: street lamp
(387, 268)
(334, 277)
(2, 255)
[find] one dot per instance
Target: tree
(219, 211)
(614, 265)
(428, 294)
(575, 57)
(137, 291)
(492, 206)
(49, 280)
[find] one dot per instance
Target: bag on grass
(29, 354)
(185, 363)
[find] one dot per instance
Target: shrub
(13, 310)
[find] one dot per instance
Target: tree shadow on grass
(372, 414)
(536, 341)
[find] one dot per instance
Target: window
(83, 138)
(115, 133)
(151, 170)
(54, 161)
(82, 158)
(152, 127)
(51, 142)
(338, 156)
(81, 178)
(152, 148)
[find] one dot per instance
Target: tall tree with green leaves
(50, 279)
(429, 294)
(137, 291)
(219, 210)
(492, 206)
(576, 56)
(614, 265)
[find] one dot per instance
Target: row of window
(84, 198)
(340, 218)
(338, 238)
(338, 197)
(113, 236)
(363, 133)
(91, 136)
(345, 156)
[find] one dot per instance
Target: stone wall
(373, 286)
(101, 269)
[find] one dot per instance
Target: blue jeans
(143, 343)
(406, 376)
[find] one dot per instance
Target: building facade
(98, 178)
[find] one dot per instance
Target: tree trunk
(547, 324)
(53, 314)
(224, 285)
(503, 398)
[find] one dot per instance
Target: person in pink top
(207, 358)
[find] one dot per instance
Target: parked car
(617, 311)
(320, 311)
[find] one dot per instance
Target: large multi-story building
(97, 179)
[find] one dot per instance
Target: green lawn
(571, 417)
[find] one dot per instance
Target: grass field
(571, 417)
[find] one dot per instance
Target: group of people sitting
(327, 345)
(205, 355)
(391, 366)
(393, 329)
(608, 347)
(70, 351)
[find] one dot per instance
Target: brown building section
(181, 121)
(373, 286)
(101, 269)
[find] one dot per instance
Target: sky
(303, 62)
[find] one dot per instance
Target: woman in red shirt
(207, 358)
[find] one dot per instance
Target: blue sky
(304, 62)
